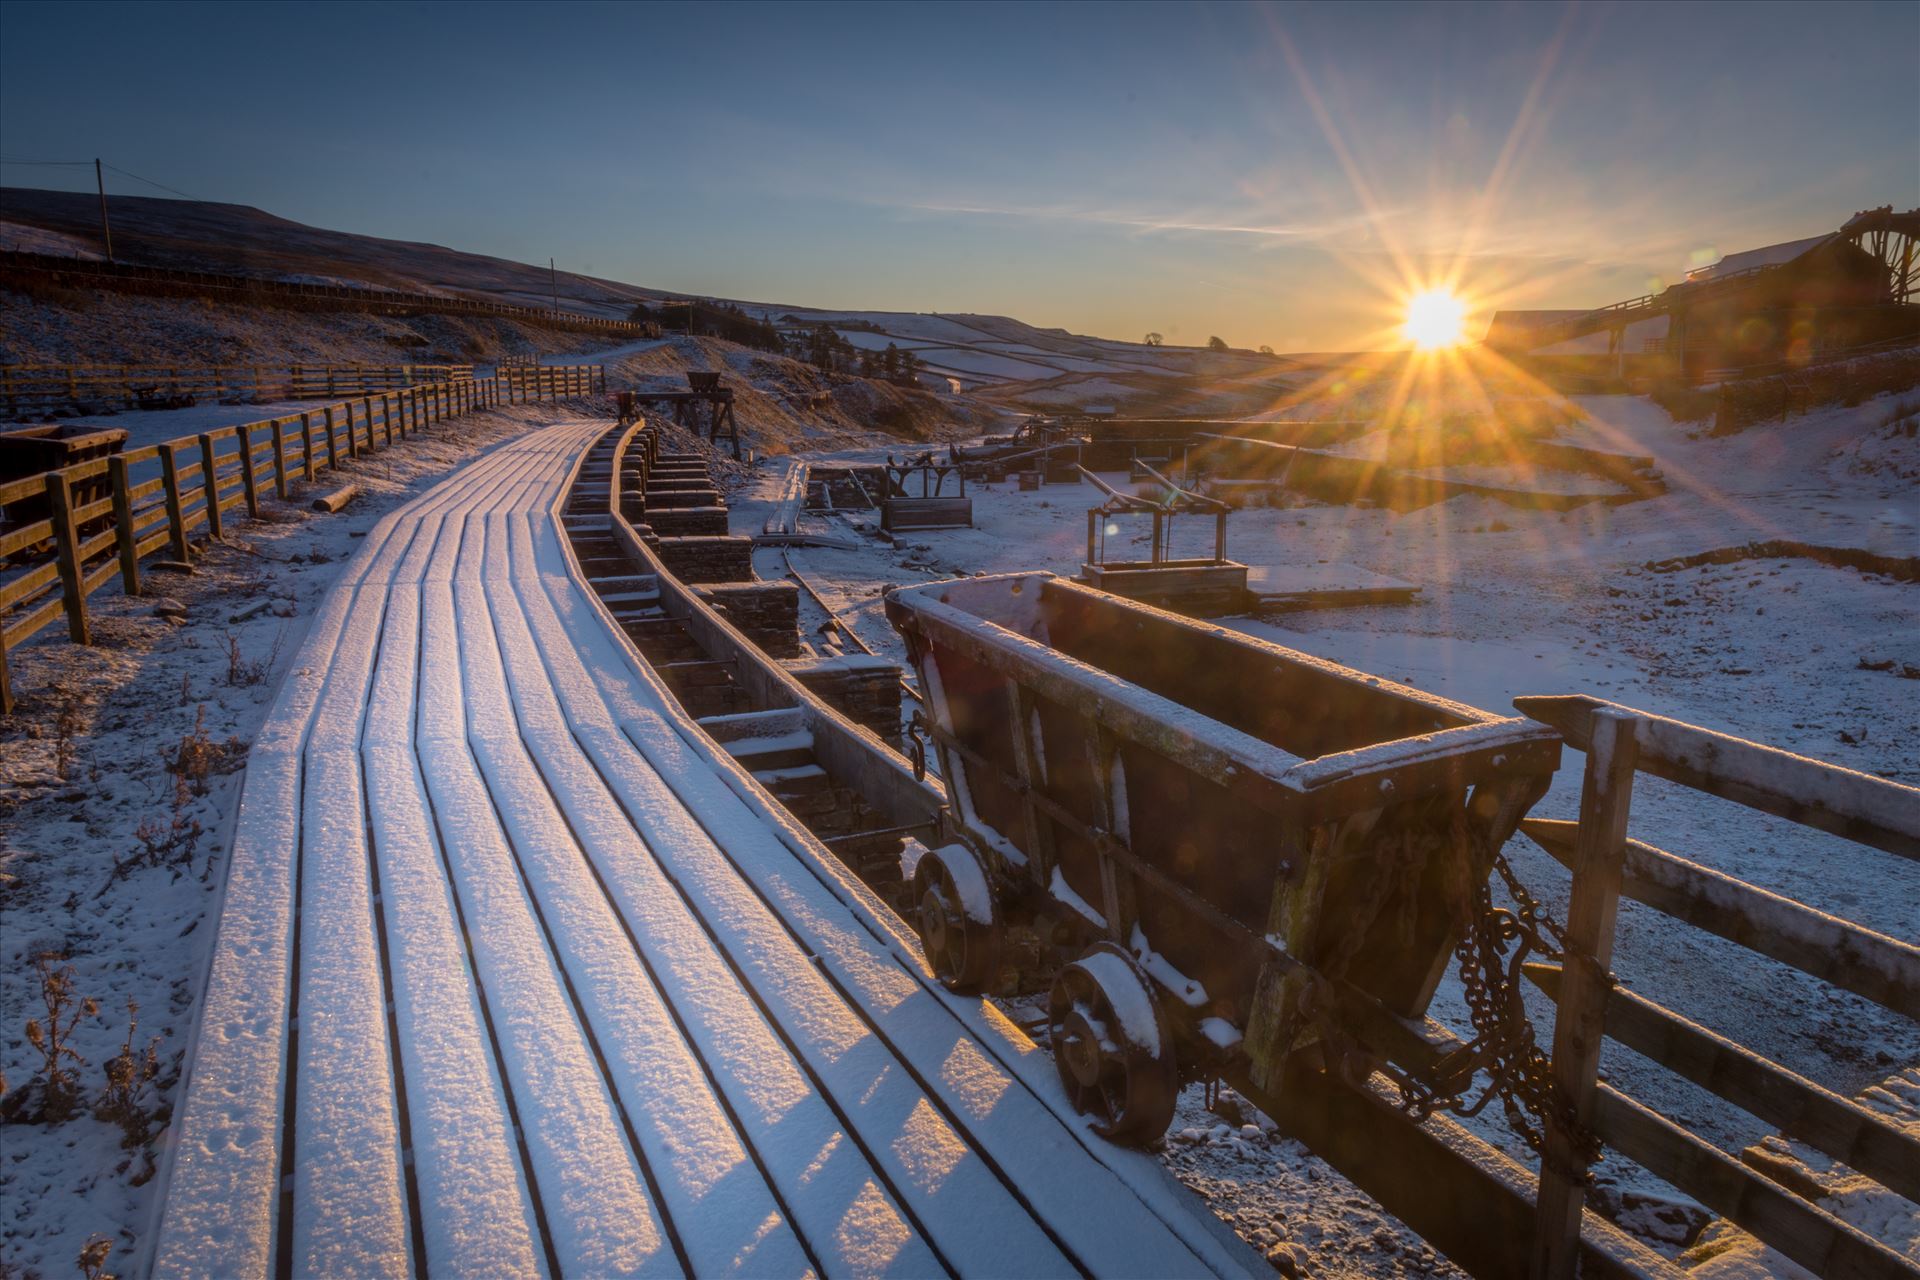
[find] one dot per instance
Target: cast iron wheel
(1113, 1046)
(958, 924)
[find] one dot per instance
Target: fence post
(249, 482)
(215, 527)
(1599, 865)
(366, 403)
(176, 509)
(6, 680)
(353, 444)
(123, 533)
(66, 542)
(280, 459)
(333, 459)
(306, 444)
(386, 416)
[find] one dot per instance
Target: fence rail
(131, 278)
(94, 539)
(1607, 865)
(31, 386)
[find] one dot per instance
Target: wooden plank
(66, 549)
(123, 528)
(1460, 1195)
(28, 583)
(248, 480)
(1859, 806)
(176, 517)
(210, 486)
(26, 535)
(6, 676)
(1803, 1109)
(1578, 1032)
(1805, 1233)
(1883, 969)
(279, 429)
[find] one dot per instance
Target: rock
(167, 607)
(1288, 1259)
(284, 608)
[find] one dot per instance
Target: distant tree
(1216, 344)
(1265, 350)
(890, 362)
(909, 368)
(869, 363)
(1154, 339)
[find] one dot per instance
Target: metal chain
(1520, 1071)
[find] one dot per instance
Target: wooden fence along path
(101, 520)
(518, 973)
(127, 277)
(25, 388)
(1608, 865)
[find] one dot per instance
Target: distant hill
(970, 352)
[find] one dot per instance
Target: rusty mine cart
(1266, 861)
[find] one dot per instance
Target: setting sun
(1435, 318)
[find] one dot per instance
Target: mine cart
(30, 451)
(1258, 854)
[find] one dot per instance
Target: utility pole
(553, 276)
(106, 232)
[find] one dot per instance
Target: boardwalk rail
(126, 277)
(25, 387)
(1607, 865)
(201, 478)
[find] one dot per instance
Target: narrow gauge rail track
(518, 972)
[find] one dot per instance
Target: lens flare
(1435, 319)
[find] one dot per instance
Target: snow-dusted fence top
(1607, 865)
(29, 387)
(92, 522)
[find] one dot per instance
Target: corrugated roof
(1770, 256)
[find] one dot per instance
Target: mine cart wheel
(958, 923)
(1113, 1046)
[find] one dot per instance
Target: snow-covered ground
(111, 852)
(1792, 652)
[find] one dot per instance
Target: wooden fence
(25, 387)
(101, 521)
(126, 277)
(1606, 866)
(542, 381)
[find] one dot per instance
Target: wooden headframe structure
(1178, 501)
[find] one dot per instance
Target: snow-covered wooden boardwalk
(517, 974)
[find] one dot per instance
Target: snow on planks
(517, 974)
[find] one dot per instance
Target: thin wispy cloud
(1302, 230)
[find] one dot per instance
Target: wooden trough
(1224, 817)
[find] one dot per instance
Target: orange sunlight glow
(1435, 319)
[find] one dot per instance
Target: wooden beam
(66, 546)
(1466, 1199)
(1883, 969)
(123, 525)
(176, 506)
(1859, 806)
(1804, 1232)
(1598, 864)
(210, 486)
(1801, 1108)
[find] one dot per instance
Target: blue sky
(1273, 174)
